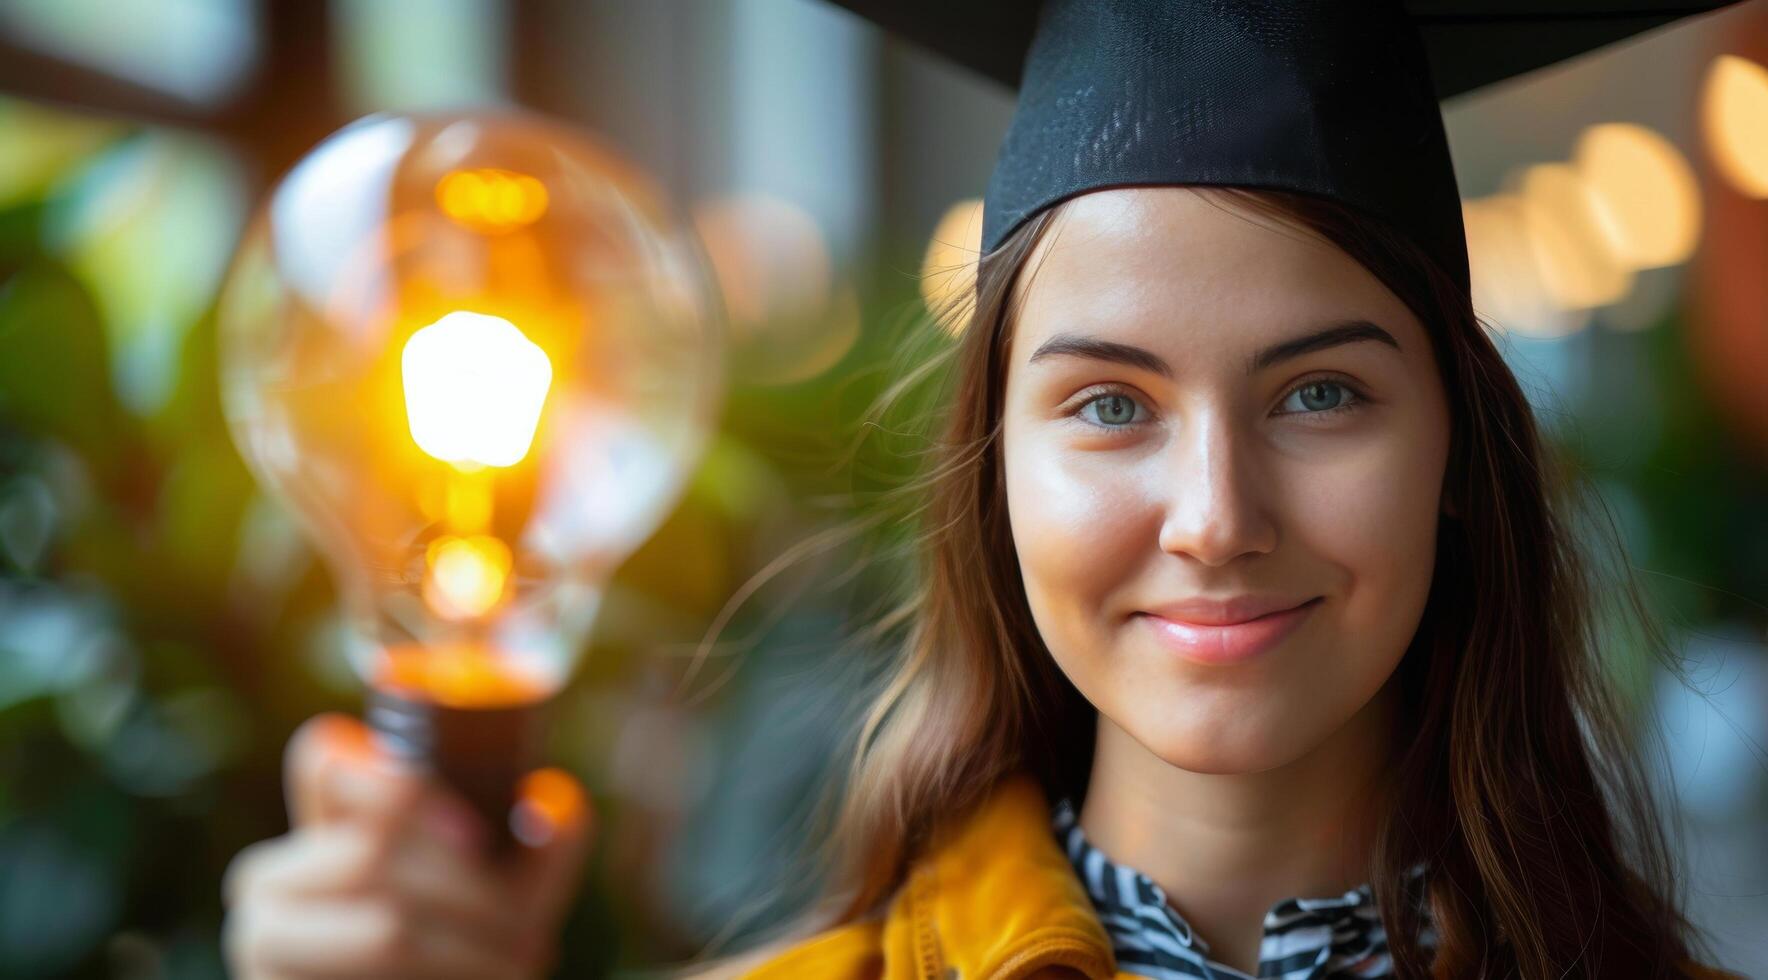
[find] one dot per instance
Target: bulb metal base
(481, 753)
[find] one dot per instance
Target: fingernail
(548, 800)
(530, 824)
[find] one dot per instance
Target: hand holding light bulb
(387, 873)
(476, 357)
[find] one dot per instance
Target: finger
(334, 770)
(343, 860)
(553, 823)
(460, 887)
(361, 937)
(345, 857)
(309, 754)
(328, 858)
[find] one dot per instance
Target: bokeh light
(771, 259)
(1561, 215)
(1646, 199)
(791, 316)
(1734, 116)
(948, 268)
(1509, 291)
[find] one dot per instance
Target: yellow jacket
(996, 899)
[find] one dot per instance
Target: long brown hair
(1517, 775)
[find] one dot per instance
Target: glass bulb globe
(477, 356)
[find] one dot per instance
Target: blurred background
(164, 627)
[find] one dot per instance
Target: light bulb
(477, 356)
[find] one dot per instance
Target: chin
(1250, 743)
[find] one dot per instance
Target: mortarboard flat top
(1334, 98)
(1471, 43)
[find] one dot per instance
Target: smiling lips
(1226, 632)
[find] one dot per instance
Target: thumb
(333, 770)
(554, 824)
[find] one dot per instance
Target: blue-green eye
(1115, 410)
(1321, 396)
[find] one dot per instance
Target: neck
(1225, 847)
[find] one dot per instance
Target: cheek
(1079, 530)
(1372, 514)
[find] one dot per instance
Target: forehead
(1176, 262)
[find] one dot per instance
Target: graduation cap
(1336, 98)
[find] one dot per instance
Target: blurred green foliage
(163, 627)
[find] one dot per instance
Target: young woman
(1253, 638)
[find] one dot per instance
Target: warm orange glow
(464, 577)
(461, 676)
(477, 354)
(491, 200)
(948, 269)
(469, 502)
(1734, 114)
(1647, 198)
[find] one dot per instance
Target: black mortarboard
(1336, 98)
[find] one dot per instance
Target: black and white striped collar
(1304, 938)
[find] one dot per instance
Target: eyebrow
(1333, 335)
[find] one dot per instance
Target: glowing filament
(465, 577)
(473, 389)
(468, 502)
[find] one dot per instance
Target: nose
(1218, 504)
